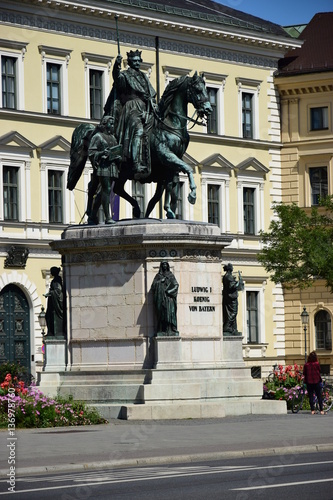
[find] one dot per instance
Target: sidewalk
(126, 443)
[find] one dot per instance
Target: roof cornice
(135, 12)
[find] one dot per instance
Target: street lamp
(42, 324)
(42, 320)
(305, 322)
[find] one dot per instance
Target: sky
(282, 12)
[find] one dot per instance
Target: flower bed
(283, 384)
(33, 409)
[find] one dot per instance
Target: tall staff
(113, 94)
(118, 43)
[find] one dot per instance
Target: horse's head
(198, 95)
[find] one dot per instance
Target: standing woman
(312, 378)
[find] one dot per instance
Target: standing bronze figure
(230, 300)
(165, 290)
(104, 155)
(55, 305)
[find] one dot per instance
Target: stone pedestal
(115, 360)
(55, 354)
(108, 274)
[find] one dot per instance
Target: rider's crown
(134, 53)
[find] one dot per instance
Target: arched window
(323, 330)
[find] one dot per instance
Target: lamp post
(42, 320)
(42, 324)
(305, 322)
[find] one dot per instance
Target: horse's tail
(79, 153)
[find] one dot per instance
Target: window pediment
(13, 44)
(214, 77)
(252, 164)
(217, 160)
(96, 58)
(175, 72)
(57, 143)
(248, 83)
(54, 51)
(14, 139)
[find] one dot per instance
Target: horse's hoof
(192, 198)
(170, 214)
(110, 221)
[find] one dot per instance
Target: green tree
(298, 246)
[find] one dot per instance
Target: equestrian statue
(149, 139)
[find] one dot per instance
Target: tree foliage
(298, 246)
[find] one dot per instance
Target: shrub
(33, 409)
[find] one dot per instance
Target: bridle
(191, 97)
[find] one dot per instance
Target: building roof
(205, 10)
(295, 31)
(316, 53)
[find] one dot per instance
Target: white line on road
(264, 486)
(173, 473)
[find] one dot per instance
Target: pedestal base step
(195, 409)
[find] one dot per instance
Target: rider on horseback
(168, 142)
(137, 97)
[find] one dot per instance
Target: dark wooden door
(14, 326)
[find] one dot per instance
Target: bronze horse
(168, 140)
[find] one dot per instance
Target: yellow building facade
(56, 59)
(306, 90)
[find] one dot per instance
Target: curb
(173, 459)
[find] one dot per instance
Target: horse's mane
(168, 95)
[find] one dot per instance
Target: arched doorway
(14, 327)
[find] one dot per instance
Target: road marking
(162, 471)
(263, 487)
(124, 473)
(166, 473)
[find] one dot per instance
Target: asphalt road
(126, 443)
(293, 476)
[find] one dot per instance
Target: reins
(187, 118)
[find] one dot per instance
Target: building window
(180, 202)
(212, 118)
(138, 193)
(323, 330)
(256, 371)
(53, 85)
(247, 115)
(10, 193)
(249, 210)
(252, 317)
(55, 184)
(319, 183)
(319, 118)
(8, 82)
(213, 198)
(96, 93)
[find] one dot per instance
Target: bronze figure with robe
(55, 305)
(230, 300)
(165, 290)
(137, 97)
